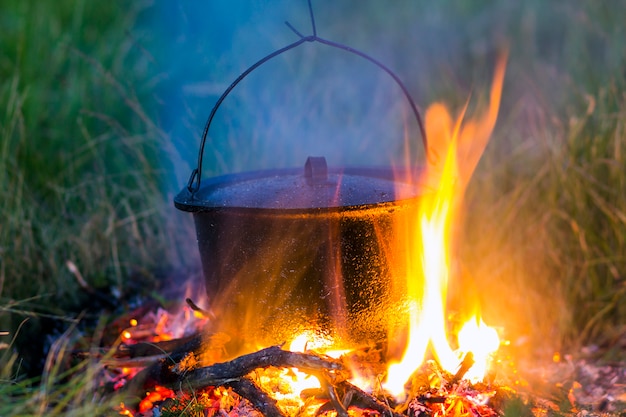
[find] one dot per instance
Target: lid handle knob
(316, 170)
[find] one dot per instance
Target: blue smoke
(313, 100)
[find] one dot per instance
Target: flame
(299, 381)
(293, 382)
(453, 153)
(482, 341)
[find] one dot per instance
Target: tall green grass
(76, 162)
(546, 228)
(586, 191)
(66, 387)
(80, 165)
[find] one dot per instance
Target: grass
(554, 209)
(82, 177)
(64, 388)
(550, 190)
(81, 165)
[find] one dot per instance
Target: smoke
(311, 101)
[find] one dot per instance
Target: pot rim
(200, 201)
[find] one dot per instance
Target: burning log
(222, 373)
(198, 309)
(190, 371)
(143, 349)
(182, 371)
(468, 362)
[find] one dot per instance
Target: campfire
(327, 291)
(345, 344)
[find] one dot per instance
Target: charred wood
(218, 373)
(247, 389)
(143, 349)
(468, 362)
(362, 399)
(195, 307)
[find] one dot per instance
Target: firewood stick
(162, 373)
(328, 386)
(142, 349)
(129, 362)
(243, 365)
(338, 405)
(159, 372)
(151, 350)
(468, 362)
(197, 308)
(259, 399)
(365, 400)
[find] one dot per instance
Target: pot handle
(196, 175)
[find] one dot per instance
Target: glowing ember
(158, 394)
(453, 153)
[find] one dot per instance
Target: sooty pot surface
(289, 250)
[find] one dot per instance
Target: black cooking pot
(293, 249)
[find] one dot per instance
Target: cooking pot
(294, 249)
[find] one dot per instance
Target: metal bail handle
(196, 175)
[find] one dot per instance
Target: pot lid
(317, 187)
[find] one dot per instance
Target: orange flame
(453, 153)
